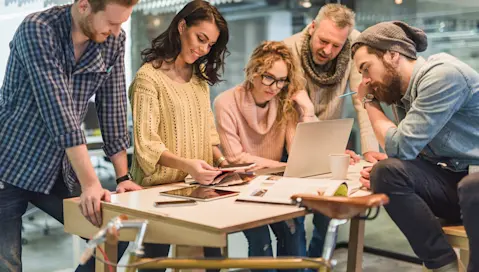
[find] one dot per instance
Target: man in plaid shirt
(59, 59)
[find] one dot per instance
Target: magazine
(227, 179)
(278, 190)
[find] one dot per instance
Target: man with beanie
(323, 50)
(433, 144)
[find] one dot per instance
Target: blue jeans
(287, 236)
(161, 250)
(13, 204)
(320, 223)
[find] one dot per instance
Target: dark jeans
(287, 235)
(161, 250)
(420, 192)
(315, 249)
(13, 204)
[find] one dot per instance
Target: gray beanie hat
(394, 36)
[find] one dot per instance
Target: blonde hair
(341, 15)
(261, 60)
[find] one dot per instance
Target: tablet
(199, 193)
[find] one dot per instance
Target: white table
(205, 224)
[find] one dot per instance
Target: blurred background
(452, 27)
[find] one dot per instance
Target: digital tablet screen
(199, 192)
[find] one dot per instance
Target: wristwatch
(367, 99)
(124, 178)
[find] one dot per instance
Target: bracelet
(219, 161)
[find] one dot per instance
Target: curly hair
(261, 60)
(167, 46)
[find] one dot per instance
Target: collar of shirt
(406, 99)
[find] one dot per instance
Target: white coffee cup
(339, 164)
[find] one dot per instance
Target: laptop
(313, 142)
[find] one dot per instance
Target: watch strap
(124, 178)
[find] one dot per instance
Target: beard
(86, 26)
(388, 91)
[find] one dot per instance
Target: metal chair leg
(330, 241)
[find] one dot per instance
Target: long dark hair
(167, 46)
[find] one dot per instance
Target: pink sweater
(249, 133)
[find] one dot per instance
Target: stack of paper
(276, 189)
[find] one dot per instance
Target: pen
(346, 94)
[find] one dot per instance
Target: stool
(457, 237)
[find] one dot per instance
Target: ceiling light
(305, 3)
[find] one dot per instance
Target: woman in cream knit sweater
(256, 121)
(174, 130)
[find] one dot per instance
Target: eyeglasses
(268, 80)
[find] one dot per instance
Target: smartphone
(175, 202)
(235, 167)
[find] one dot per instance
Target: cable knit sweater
(172, 116)
(249, 133)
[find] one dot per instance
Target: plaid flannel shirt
(44, 98)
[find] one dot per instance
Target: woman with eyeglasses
(256, 121)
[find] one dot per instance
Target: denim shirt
(438, 116)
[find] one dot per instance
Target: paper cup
(339, 164)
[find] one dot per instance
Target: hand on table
(354, 158)
(90, 203)
(127, 186)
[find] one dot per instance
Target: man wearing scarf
(323, 49)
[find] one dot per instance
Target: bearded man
(433, 144)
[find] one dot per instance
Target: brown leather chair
(338, 207)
